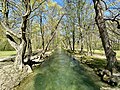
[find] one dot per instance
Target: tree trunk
(5, 11)
(73, 37)
(110, 54)
(90, 43)
(70, 46)
(79, 13)
(29, 46)
(20, 48)
(81, 41)
(19, 61)
(42, 31)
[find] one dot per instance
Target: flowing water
(59, 72)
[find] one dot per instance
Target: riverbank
(92, 63)
(11, 77)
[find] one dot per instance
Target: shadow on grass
(93, 62)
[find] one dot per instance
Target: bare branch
(114, 20)
(38, 5)
(12, 42)
(10, 31)
(11, 4)
(116, 16)
(59, 21)
(105, 4)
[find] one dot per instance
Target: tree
(20, 16)
(110, 54)
(19, 47)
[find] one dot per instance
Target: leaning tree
(19, 40)
(100, 21)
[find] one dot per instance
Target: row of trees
(83, 29)
(82, 13)
(33, 24)
(30, 25)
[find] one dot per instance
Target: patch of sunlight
(7, 53)
(118, 53)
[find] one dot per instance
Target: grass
(118, 53)
(7, 53)
(101, 52)
(94, 62)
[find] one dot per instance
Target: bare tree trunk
(110, 54)
(42, 32)
(70, 44)
(81, 41)
(47, 45)
(73, 37)
(20, 48)
(79, 12)
(5, 11)
(29, 46)
(87, 45)
(90, 43)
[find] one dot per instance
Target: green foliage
(51, 4)
(5, 46)
(116, 46)
(2, 34)
(32, 2)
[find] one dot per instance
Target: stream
(59, 72)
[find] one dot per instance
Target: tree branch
(105, 4)
(114, 20)
(8, 30)
(38, 6)
(59, 21)
(12, 42)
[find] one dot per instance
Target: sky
(60, 2)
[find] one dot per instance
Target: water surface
(60, 72)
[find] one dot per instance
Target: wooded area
(32, 28)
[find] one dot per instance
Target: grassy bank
(6, 53)
(101, 52)
(98, 60)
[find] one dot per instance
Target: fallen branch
(10, 58)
